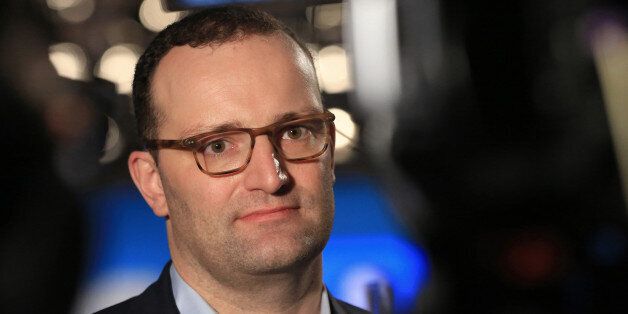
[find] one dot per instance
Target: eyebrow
(201, 128)
(293, 115)
(234, 124)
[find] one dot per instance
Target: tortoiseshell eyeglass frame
(196, 145)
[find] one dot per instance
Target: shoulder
(157, 298)
(129, 306)
(351, 309)
(341, 307)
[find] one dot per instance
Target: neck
(291, 292)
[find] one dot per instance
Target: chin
(285, 255)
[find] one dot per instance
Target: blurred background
(481, 157)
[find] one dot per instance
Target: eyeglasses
(300, 139)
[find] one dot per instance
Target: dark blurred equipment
(380, 298)
(41, 233)
(502, 128)
(42, 227)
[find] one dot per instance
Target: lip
(268, 213)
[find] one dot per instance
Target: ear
(146, 177)
(333, 150)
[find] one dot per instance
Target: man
(239, 163)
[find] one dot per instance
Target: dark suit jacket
(158, 298)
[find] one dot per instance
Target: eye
(295, 133)
(216, 147)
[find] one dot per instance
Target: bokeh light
(333, 70)
(154, 17)
(61, 4)
(346, 135)
(117, 65)
(114, 143)
(328, 16)
(69, 60)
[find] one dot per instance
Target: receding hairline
(303, 61)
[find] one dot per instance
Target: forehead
(248, 81)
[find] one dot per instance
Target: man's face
(248, 83)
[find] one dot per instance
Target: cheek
(316, 177)
(211, 196)
(202, 210)
(204, 195)
(306, 174)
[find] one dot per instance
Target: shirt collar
(325, 307)
(187, 299)
(190, 302)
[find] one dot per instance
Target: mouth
(265, 214)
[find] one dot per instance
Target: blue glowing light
(351, 262)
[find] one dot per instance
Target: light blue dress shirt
(190, 302)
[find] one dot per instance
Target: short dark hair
(207, 27)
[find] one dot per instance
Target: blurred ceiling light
(346, 135)
(61, 4)
(609, 43)
(117, 65)
(372, 35)
(78, 12)
(69, 61)
(328, 16)
(333, 70)
(154, 17)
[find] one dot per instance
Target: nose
(263, 172)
